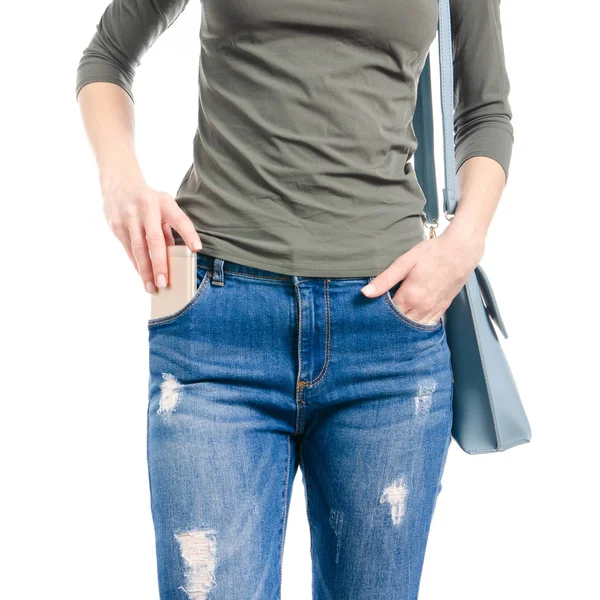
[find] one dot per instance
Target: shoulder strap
(423, 124)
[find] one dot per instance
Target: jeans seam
(284, 518)
(299, 383)
(310, 525)
(256, 276)
(320, 376)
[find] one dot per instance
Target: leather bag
(488, 414)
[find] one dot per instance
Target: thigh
(221, 462)
(374, 451)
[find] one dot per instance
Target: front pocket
(205, 274)
(409, 321)
(387, 298)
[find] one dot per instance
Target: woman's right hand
(141, 218)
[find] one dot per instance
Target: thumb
(397, 271)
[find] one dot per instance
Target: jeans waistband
(207, 261)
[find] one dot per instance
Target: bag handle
(423, 122)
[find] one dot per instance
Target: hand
(141, 218)
(434, 271)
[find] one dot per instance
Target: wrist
(109, 175)
(469, 232)
(466, 243)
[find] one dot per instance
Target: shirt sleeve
(126, 31)
(482, 112)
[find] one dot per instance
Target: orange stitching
(414, 324)
(255, 275)
(285, 494)
(300, 384)
(327, 337)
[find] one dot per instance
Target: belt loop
(218, 277)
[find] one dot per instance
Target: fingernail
(368, 289)
(150, 287)
(161, 281)
(197, 245)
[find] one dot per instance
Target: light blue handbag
(488, 412)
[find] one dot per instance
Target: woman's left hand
(433, 272)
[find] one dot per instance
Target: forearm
(480, 183)
(108, 116)
(483, 131)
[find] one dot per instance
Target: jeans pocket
(388, 298)
(204, 275)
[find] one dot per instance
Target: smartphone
(181, 284)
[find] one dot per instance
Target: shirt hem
(299, 269)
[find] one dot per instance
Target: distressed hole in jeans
(336, 520)
(169, 394)
(424, 397)
(395, 495)
(198, 550)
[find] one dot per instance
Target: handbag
(488, 414)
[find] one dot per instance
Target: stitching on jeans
(320, 376)
(283, 520)
(299, 385)
(310, 525)
(414, 324)
(299, 407)
(256, 276)
(219, 271)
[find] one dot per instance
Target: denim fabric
(261, 373)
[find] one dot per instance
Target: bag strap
(423, 123)
(424, 155)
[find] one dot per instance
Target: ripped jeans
(261, 373)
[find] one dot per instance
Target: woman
(315, 338)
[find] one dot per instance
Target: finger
(183, 225)
(139, 248)
(398, 270)
(156, 244)
(122, 235)
(126, 241)
(168, 233)
(413, 304)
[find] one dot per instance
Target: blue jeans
(261, 373)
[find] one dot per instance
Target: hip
(312, 340)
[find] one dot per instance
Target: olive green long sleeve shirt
(301, 158)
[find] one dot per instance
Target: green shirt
(301, 155)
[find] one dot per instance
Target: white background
(75, 517)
